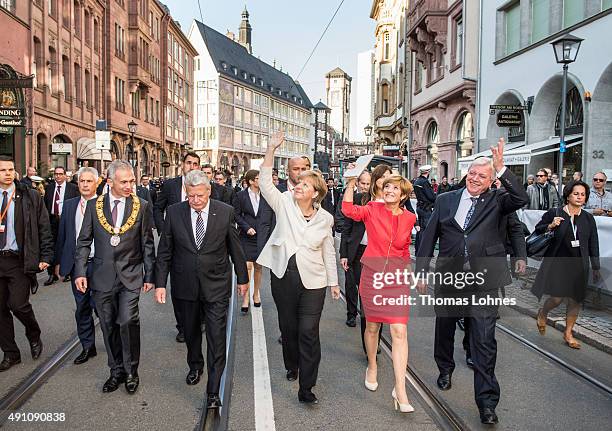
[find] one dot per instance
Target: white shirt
(364, 239)
(120, 208)
(61, 198)
(254, 196)
(194, 219)
(466, 202)
(78, 220)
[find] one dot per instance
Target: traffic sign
(562, 147)
(103, 140)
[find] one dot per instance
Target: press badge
(576, 243)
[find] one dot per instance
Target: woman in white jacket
(301, 254)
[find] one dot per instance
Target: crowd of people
(99, 235)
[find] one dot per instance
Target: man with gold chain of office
(120, 225)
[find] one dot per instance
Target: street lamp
(368, 132)
(132, 126)
(566, 50)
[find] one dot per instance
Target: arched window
(433, 139)
(465, 134)
(144, 161)
(574, 114)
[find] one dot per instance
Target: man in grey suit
(121, 225)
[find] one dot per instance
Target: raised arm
(516, 196)
(268, 190)
(349, 209)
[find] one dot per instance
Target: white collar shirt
(120, 208)
(78, 220)
(254, 196)
(194, 219)
(465, 203)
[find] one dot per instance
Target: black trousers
(299, 311)
(423, 220)
(54, 221)
(83, 314)
(177, 312)
(351, 283)
(482, 348)
(215, 318)
(14, 301)
(120, 324)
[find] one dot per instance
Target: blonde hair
(318, 183)
(405, 186)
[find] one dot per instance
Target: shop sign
(6, 130)
(509, 119)
(16, 122)
(61, 148)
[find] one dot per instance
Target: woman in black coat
(255, 218)
(564, 273)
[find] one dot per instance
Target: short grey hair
(484, 161)
(89, 169)
(196, 178)
(117, 165)
(601, 173)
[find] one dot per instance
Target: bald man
(295, 167)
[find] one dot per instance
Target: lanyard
(574, 227)
(8, 205)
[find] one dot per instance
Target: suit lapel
(249, 204)
(129, 203)
(481, 204)
(107, 209)
(454, 206)
(179, 189)
(211, 224)
(186, 215)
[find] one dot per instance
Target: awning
(86, 150)
(517, 153)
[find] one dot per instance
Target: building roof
(233, 60)
(321, 106)
(338, 72)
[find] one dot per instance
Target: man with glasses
(56, 193)
(600, 200)
(542, 194)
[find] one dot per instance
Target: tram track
(24, 390)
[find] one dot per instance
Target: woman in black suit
(254, 218)
(564, 273)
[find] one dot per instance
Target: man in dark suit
(69, 229)
(56, 193)
(26, 248)
(145, 182)
(467, 224)
(27, 180)
(331, 199)
(426, 197)
(123, 264)
(220, 191)
(198, 238)
(172, 192)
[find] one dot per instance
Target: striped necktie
(200, 231)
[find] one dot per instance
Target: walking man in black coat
(26, 248)
(467, 224)
(198, 239)
(426, 197)
(120, 224)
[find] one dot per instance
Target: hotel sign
(17, 83)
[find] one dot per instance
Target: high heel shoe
(370, 386)
(404, 408)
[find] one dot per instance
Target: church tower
(244, 36)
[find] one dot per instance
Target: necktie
(200, 231)
(4, 220)
(468, 217)
(114, 212)
(56, 201)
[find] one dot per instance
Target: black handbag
(537, 243)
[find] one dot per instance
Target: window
(77, 19)
(119, 95)
(573, 12)
(459, 41)
(96, 35)
(52, 8)
(465, 133)
(574, 113)
(87, 29)
(433, 139)
(38, 63)
(65, 83)
(512, 28)
(238, 92)
(66, 13)
(119, 41)
(52, 64)
(87, 89)
(385, 99)
(8, 5)
(135, 99)
(540, 19)
(418, 76)
(97, 94)
(386, 46)
(606, 4)
(77, 83)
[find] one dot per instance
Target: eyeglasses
(538, 175)
(599, 180)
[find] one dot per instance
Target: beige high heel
(404, 408)
(370, 386)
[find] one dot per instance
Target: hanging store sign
(18, 122)
(17, 82)
(61, 148)
(6, 130)
(509, 119)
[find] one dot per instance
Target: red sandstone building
(443, 38)
(123, 61)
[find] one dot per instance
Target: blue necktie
(468, 217)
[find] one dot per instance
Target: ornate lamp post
(566, 50)
(368, 132)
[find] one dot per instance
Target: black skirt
(249, 246)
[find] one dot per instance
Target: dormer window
(261, 83)
(224, 65)
(235, 70)
(244, 75)
(253, 79)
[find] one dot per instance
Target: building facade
(365, 96)
(241, 101)
(15, 88)
(391, 86)
(338, 95)
(518, 67)
(443, 39)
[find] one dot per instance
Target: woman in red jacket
(384, 294)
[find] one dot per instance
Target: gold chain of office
(128, 224)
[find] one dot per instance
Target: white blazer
(311, 242)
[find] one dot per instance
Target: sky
(287, 30)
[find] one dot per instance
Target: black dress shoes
(307, 397)
(444, 381)
(131, 383)
(193, 377)
(36, 349)
(66, 278)
(469, 362)
(180, 337)
(488, 416)
(85, 355)
(292, 375)
(257, 304)
(33, 287)
(52, 279)
(8, 363)
(213, 401)
(113, 382)
(350, 322)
